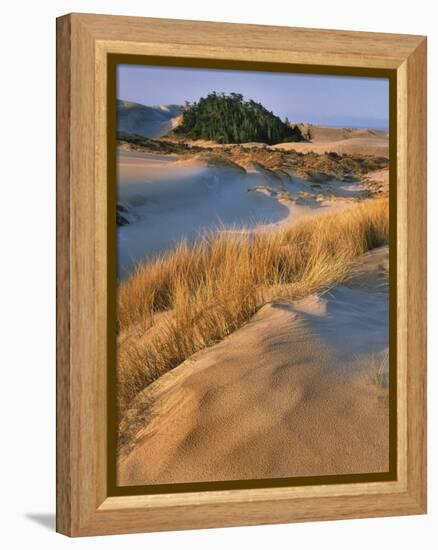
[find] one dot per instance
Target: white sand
(288, 394)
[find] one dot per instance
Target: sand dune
(333, 133)
(376, 146)
(174, 199)
(170, 199)
(146, 121)
(288, 394)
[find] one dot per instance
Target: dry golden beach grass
(195, 295)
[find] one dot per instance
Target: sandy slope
(377, 146)
(334, 133)
(174, 199)
(147, 121)
(288, 394)
(326, 139)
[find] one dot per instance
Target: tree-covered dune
(230, 119)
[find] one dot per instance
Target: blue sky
(323, 99)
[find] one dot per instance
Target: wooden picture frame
(84, 42)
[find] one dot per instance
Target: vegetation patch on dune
(230, 119)
(309, 166)
(194, 296)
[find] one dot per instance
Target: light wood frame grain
(83, 44)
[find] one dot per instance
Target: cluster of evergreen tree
(229, 119)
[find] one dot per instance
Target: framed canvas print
(241, 230)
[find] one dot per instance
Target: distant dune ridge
(326, 139)
(159, 121)
(321, 133)
(149, 122)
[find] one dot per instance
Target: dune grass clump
(378, 371)
(195, 295)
